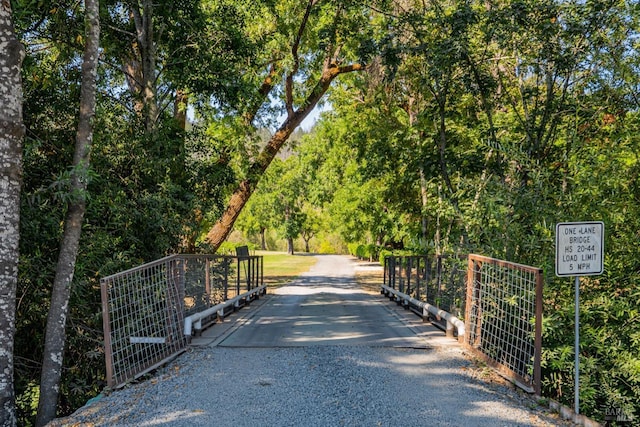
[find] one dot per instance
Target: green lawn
(281, 268)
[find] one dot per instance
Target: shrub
(326, 248)
(383, 254)
(353, 248)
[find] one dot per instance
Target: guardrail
(193, 323)
(426, 308)
(439, 280)
(501, 302)
(503, 318)
(145, 308)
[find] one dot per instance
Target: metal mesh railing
(439, 280)
(500, 301)
(144, 308)
(447, 286)
(504, 317)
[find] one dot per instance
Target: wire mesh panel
(205, 280)
(143, 313)
(446, 287)
(504, 316)
(144, 308)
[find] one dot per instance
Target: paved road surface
(319, 352)
(324, 307)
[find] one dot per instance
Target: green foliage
(384, 253)
(229, 248)
(513, 124)
(367, 252)
(353, 248)
(147, 197)
(476, 128)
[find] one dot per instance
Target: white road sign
(579, 248)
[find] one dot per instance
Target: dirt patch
(369, 276)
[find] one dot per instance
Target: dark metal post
(106, 325)
(537, 371)
(207, 280)
(409, 272)
(225, 293)
(438, 300)
(239, 265)
(384, 271)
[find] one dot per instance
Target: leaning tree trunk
(56, 320)
(330, 71)
(241, 195)
(11, 134)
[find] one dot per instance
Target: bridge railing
(500, 302)
(144, 308)
(503, 318)
(439, 280)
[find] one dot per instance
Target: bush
(353, 248)
(229, 248)
(383, 254)
(373, 252)
(326, 248)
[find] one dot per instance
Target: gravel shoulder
(318, 385)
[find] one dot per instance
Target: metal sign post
(579, 252)
(576, 351)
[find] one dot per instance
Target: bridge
(318, 351)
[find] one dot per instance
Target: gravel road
(340, 379)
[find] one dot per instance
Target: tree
(146, 190)
(257, 215)
(312, 224)
(288, 192)
(171, 54)
(278, 202)
(527, 116)
(11, 134)
(56, 335)
(341, 27)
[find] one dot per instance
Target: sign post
(579, 252)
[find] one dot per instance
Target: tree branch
(296, 59)
(263, 92)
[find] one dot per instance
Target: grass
(281, 268)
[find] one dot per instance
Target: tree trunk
(224, 225)
(139, 65)
(11, 135)
(290, 250)
(424, 198)
(56, 320)
(148, 57)
(263, 240)
(412, 111)
(180, 109)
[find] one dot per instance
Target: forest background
(451, 126)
